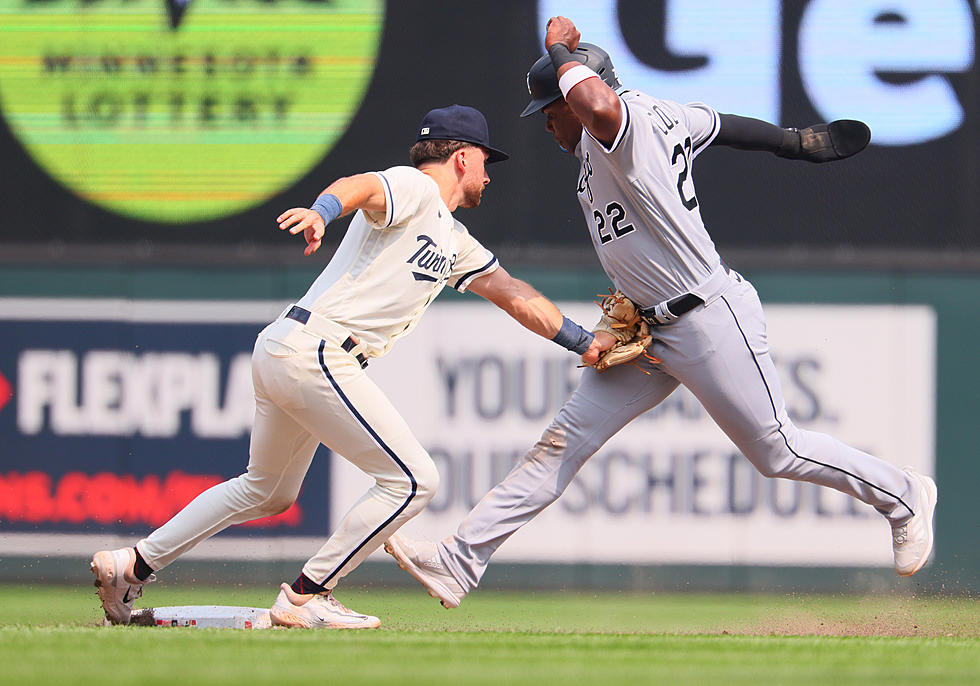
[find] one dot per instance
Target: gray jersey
(643, 215)
(648, 234)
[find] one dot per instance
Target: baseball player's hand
(306, 220)
(561, 30)
(630, 333)
(602, 342)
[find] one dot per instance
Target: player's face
(475, 178)
(562, 123)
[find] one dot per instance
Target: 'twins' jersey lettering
(430, 260)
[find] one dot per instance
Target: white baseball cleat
(117, 586)
(421, 560)
(912, 541)
(319, 611)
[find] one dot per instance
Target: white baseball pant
(309, 390)
(720, 352)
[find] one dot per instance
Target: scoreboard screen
(144, 123)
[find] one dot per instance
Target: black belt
(678, 306)
(302, 316)
(683, 304)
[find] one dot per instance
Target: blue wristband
(328, 207)
(573, 337)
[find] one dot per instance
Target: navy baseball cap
(459, 123)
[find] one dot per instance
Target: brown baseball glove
(621, 319)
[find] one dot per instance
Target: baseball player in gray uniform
(637, 193)
(401, 248)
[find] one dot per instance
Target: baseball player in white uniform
(401, 248)
(637, 192)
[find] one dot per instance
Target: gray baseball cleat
(117, 586)
(421, 560)
(319, 611)
(912, 541)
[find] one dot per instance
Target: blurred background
(147, 147)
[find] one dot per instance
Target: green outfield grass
(52, 635)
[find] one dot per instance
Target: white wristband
(573, 77)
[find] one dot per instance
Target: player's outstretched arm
(520, 300)
(818, 143)
(343, 196)
(532, 310)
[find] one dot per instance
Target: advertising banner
(114, 414)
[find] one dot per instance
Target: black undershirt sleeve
(747, 133)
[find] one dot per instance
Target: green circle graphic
(183, 110)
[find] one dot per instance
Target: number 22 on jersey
(614, 216)
(614, 213)
(681, 157)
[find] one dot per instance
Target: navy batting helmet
(542, 80)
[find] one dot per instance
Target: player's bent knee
(268, 505)
(261, 495)
(773, 470)
(277, 505)
(771, 456)
(552, 443)
(252, 492)
(427, 481)
(417, 477)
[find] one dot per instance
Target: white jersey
(639, 201)
(390, 267)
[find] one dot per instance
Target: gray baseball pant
(719, 351)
